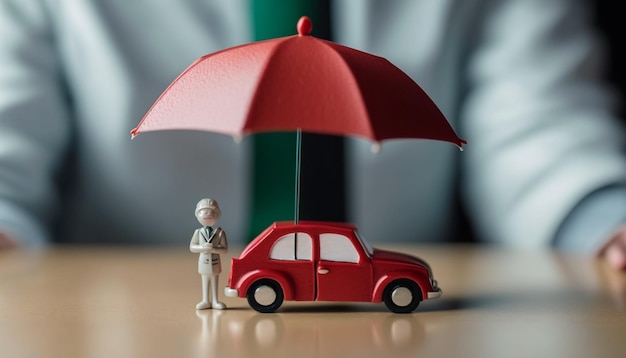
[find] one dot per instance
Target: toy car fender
(387, 279)
(250, 278)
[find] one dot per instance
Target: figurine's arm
(194, 245)
(220, 243)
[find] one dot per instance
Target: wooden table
(139, 302)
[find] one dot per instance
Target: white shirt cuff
(593, 220)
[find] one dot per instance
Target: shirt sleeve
(593, 220)
(34, 121)
(538, 120)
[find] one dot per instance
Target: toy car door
(344, 271)
(292, 255)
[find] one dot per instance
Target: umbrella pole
(298, 158)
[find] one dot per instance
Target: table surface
(139, 302)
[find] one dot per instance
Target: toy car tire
(265, 296)
(402, 296)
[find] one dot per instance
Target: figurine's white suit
(518, 79)
(209, 262)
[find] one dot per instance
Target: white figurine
(209, 243)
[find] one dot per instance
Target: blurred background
(610, 21)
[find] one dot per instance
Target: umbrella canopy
(298, 83)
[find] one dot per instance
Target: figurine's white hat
(207, 204)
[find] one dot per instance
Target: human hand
(6, 242)
(615, 250)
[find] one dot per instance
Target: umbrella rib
(370, 135)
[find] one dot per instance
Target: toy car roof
(301, 225)
(310, 223)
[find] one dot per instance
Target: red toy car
(326, 261)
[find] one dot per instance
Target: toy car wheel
(402, 296)
(265, 296)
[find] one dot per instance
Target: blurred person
(520, 80)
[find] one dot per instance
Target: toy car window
(285, 249)
(336, 247)
(368, 248)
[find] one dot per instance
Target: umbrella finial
(304, 26)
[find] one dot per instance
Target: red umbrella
(299, 83)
